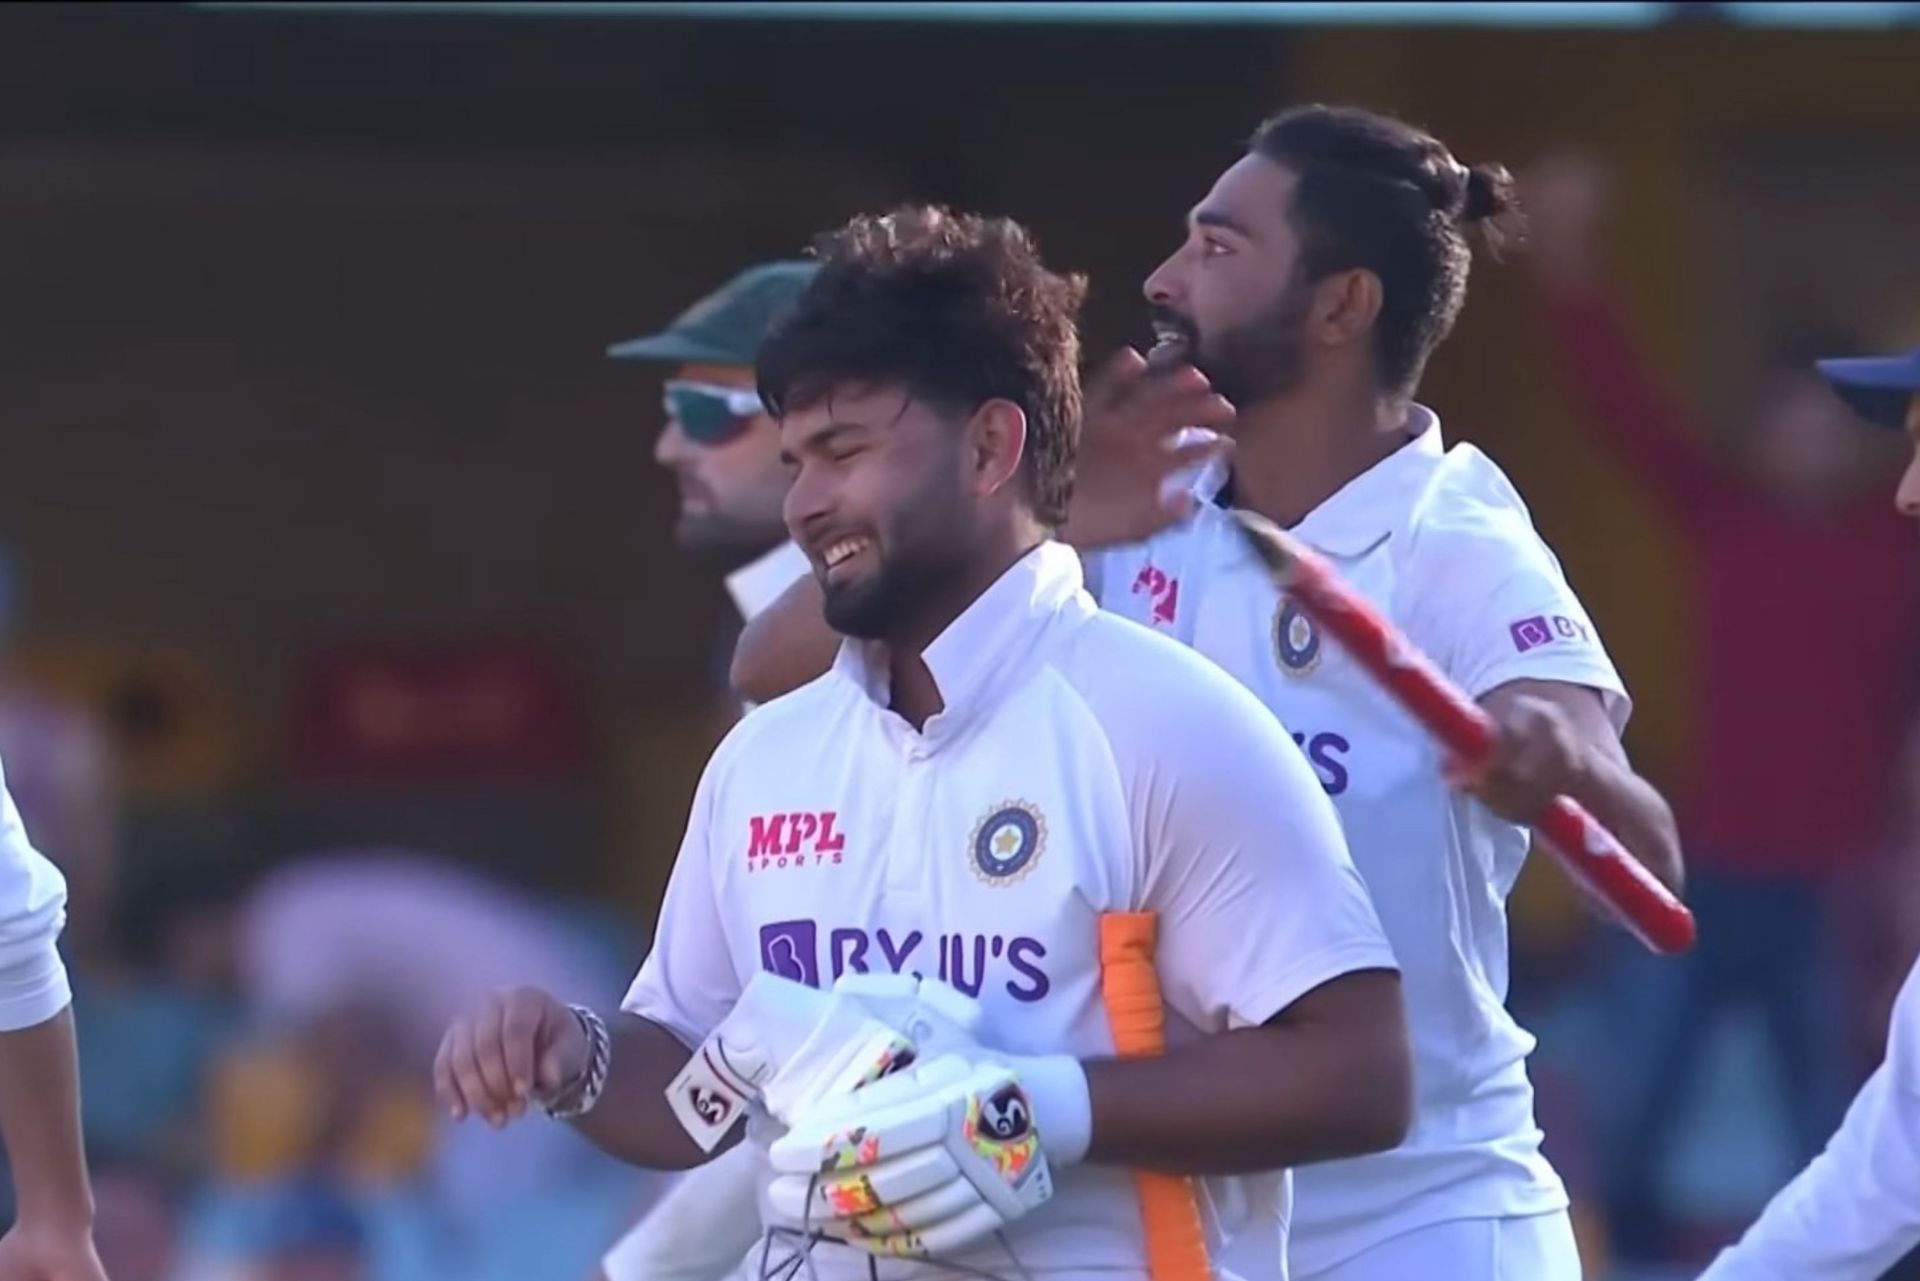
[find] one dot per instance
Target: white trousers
(1539, 1247)
(701, 1230)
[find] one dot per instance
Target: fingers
(1199, 453)
(809, 1198)
(1127, 393)
(964, 1230)
(449, 1071)
(491, 1065)
(485, 1065)
(1120, 371)
(520, 1028)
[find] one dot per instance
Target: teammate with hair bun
(1315, 280)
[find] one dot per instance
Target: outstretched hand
(1131, 446)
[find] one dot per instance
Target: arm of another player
(1268, 942)
(1489, 604)
(784, 646)
(1557, 740)
(52, 1237)
(1855, 1211)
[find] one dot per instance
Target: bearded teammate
(1316, 278)
(1855, 1211)
(979, 778)
(52, 1234)
(717, 440)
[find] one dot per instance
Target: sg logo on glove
(1006, 1115)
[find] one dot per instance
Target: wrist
(584, 1084)
(1056, 1086)
(58, 1215)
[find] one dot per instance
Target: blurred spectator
(352, 963)
(1784, 774)
(133, 1223)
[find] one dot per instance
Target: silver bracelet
(578, 1096)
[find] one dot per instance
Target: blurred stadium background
(351, 667)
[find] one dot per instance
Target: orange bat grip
(1129, 986)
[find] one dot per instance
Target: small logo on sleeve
(1545, 629)
(1162, 593)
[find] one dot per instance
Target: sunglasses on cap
(711, 414)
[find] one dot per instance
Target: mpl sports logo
(803, 838)
(1547, 629)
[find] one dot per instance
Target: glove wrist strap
(1062, 1104)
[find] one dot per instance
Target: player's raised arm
(1530, 655)
(1556, 740)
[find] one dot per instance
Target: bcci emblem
(1296, 641)
(1008, 843)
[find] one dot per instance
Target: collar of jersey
(1375, 503)
(983, 644)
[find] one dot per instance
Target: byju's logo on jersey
(806, 952)
(1541, 629)
(1008, 842)
(1296, 641)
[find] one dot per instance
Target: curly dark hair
(1377, 193)
(958, 309)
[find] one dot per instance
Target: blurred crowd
(255, 1045)
(255, 1039)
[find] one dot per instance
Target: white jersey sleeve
(1241, 853)
(688, 982)
(33, 909)
(1855, 1211)
(1487, 600)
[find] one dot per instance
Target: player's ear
(1345, 305)
(996, 442)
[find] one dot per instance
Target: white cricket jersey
(1855, 1211)
(1438, 540)
(33, 908)
(759, 583)
(1057, 784)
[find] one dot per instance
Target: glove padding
(927, 1161)
(786, 1046)
(783, 1045)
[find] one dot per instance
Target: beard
(1261, 359)
(726, 536)
(918, 561)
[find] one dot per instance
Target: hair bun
(1489, 193)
